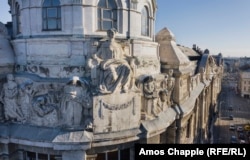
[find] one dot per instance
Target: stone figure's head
(75, 80)
(148, 83)
(170, 72)
(111, 33)
(10, 77)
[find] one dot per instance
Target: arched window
(144, 22)
(18, 18)
(107, 15)
(51, 15)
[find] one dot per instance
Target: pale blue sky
(222, 26)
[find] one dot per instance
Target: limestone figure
(75, 101)
(170, 86)
(114, 68)
(25, 95)
(9, 97)
(151, 95)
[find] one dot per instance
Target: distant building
(86, 80)
(244, 82)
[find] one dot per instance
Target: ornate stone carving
(133, 65)
(75, 103)
(170, 86)
(9, 97)
(163, 101)
(44, 111)
(25, 96)
(151, 95)
(114, 107)
(111, 64)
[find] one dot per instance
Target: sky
(221, 26)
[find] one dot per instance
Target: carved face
(10, 77)
(149, 86)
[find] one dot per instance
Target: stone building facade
(244, 82)
(87, 79)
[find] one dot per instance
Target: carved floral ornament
(116, 107)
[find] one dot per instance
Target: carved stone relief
(9, 96)
(75, 104)
(109, 111)
(170, 86)
(110, 69)
(47, 104)
(150, 95)
(48, 71)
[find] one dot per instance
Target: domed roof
(6, 52)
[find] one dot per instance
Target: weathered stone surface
(110, 111)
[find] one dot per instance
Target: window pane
(59, 24)
(55, 3)
(44, 12)
(144, 22)
(44, 24)
(113, 155)
(99, 25)
(125, 154)
(100, 156)
(107, 14)
(102, 3)
(52, 24)
(115, 25)
(31, 155)
(59, 13)
(47, 3)
(107, 25)
(111, 4)
(42, 157)
(99, 13)
(52, 12)
(114, 14)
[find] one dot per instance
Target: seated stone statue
(115, 71)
